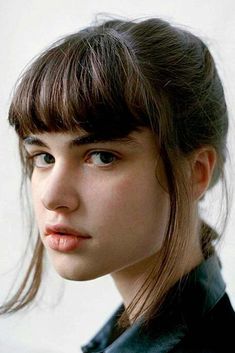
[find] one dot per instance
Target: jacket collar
(192, 297)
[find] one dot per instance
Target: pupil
(48, 158)
(106, 157)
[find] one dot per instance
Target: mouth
(64, 230)
(64, 239)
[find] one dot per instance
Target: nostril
(61, 205)
(60, 195)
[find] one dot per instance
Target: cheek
(131, 207)
(34, 195)
(36, 201)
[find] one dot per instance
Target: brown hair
(116, 77)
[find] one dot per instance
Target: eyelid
(102, 149)
(31, 157)
(31, 152)
(88, 159)
(34, 150)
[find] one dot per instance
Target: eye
(42, 160)
(101, 158)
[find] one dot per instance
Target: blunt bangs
(86, 81)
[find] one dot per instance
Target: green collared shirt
(191, 317)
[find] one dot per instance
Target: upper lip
(62, 229)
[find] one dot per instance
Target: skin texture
(115, 198)
(120, 205)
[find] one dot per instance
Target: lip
(63, 238)
(61, 229)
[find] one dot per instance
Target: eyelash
(115, 158)
(107, 153)
(31, 158)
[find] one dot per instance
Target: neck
(130, 280)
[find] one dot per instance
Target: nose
(60, 190)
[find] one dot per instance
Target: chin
(72, 270)
(75, 276)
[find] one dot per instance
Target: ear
(202, 166)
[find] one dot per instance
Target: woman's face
(98, 204)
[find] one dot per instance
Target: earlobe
(203, 164)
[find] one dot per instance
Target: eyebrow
(82, 140)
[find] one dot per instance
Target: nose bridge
(60, 188)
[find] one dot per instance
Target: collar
(191, 298)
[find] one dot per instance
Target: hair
(116, 77)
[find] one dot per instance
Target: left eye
(101, 158)
(42, 160)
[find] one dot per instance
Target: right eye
(42, 160)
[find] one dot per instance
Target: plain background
(26, 28)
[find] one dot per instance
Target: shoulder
(214, 333)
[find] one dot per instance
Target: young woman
(122, 130)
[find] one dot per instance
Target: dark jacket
(197, 317)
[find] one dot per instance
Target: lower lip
(64, 242)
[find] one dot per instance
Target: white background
(26, 27)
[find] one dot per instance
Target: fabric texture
(196, 317)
